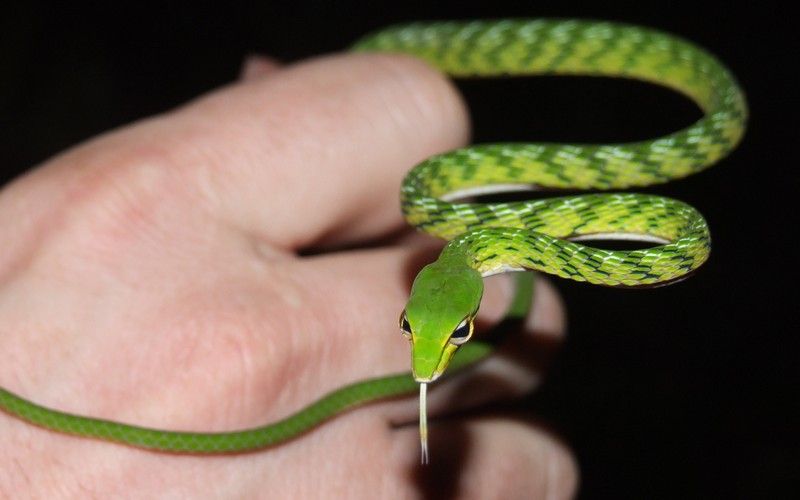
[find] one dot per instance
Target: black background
(683, 391)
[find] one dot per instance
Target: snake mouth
(424, 371)
(427, 380)
(427, 366)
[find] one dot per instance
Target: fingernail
(497, 294)
(547, 316)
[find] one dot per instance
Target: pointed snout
(428, 360)
(423, 372)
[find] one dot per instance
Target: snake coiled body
(544, 235)
(534, 234)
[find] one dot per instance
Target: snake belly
(544, 235)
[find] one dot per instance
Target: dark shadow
(450, 447)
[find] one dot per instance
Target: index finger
(315, 153)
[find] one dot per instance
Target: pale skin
(151, 275)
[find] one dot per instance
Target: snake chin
(502, 269)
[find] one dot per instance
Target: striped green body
(534, 234)
(491, 238)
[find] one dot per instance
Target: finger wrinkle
(335, 133)
(428, 101)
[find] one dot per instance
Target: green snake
(542, 235)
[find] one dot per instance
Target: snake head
(439, 316)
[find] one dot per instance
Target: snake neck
(480, 250)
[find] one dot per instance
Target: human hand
(152, 276)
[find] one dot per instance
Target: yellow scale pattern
(534, 235)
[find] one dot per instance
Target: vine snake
(545, 235)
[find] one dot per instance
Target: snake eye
(405, 327)
(462, 333)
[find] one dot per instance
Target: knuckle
(421, 100)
